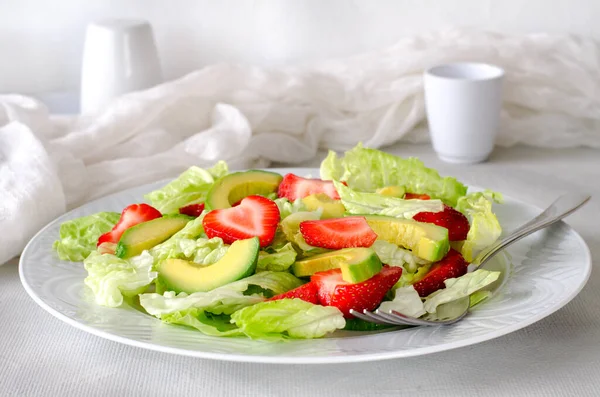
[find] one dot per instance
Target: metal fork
(563, 206)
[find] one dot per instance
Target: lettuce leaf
(373, 203)
(460, 287)
(223, 300)
(288, 318)
(369, 169)
(286, 207)
(78, 237)
(406, 301)
(278, 260)
(393, 255)
(190, 187)
(110, 278)
(485, 228)
(185, 244)
(208, 312)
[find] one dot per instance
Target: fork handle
(560, 208)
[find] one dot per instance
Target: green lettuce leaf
(460, 287)
(278, 260)
(186, 244)
(190, 187)
(373, 203)
(393, 255)
(78, 237)
(406, 301)
(223, 300)
(288, 318)
(485, 228)
(110, 278)
(208, 312)
(368, 169)
(286, 208)
(207, 323)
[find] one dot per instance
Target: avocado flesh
(185, 276)
(232, 188)
(392, 191)
(426, 240)
(146, 235)
(331, 208)
(357, 264)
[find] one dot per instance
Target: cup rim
(466, 71)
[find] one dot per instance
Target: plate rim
(268, 359)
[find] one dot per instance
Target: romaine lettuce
(286, 207)
(78, 237)
(110, 278)
(190, 187)
(406, 301)
(288, 318)
(368, 169)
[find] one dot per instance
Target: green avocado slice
(233, 187)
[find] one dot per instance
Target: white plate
(545, 272)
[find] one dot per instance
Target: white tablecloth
(558, 356)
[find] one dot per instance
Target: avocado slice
(426, 240)
(357, 264)
(331, 208)
(146, 235)
(184, 276)
(231, 188)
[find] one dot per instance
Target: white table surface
(558, 356)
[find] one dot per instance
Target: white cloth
(249, 116)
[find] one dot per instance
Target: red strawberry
(306, 292)
(451, 266)
(338, 233)
(131, 216)
(294, 187)
(255, 216)
(192, 209)
(456, 223)
(415, 196)
(334, 291)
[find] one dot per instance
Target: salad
(275, 257)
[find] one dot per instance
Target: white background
(41, 41)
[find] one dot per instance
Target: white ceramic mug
(463, 103)
(119, 56)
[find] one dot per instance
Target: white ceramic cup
(463, 103)
(119, 56)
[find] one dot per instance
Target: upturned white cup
(463, 103)
(119, 56)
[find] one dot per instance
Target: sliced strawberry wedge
(307, 292)
(294, 187)
(192, 210)
(451, 266)
(334, 291)
(415, 196)
(255, 216)
(131, 216)
(338, 233)
(453, 220)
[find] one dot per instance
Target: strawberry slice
(415, 196)
(338, 233)
(307, 292)
(294, 187)
(255, 216)
(131, 216)
(453, 220)
(334, 291)
(192, 210)
(451, 266)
